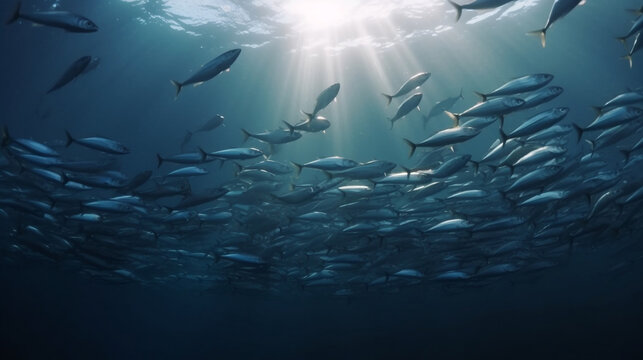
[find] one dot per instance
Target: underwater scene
(329, 179)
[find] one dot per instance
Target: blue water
(588, 306)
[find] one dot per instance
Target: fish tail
(476, 166)
(204, 155)
(246, 135)
(579, 132)
(178, 86)
(454, 117)
(407, 171)
(392, 120)
(69, 139)
(628, 58)
(501, 118)
(237, 168)
(298, 167)
(482, 96)
(5, 136)
(412, 145)
(503, 137)
(543, 35)
(15, 15)
(159, 160)
(389, 98)
(458, 9)
(290, 127)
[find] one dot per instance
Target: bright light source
(319, 15)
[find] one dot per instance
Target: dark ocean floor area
(567, 312)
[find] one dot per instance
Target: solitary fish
(323, 99)
(77, 67)
(520, 85)
(99, 143)
(442, 106)
(209, 70)
(406, 107)
(60, 19)
(211, 124)
(558, 10)
(414, 82)
(477, 5)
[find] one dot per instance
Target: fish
(536, 178)
(332, 163)
(614, 117)
(559, 9)
(536, 123)
(317, 124)
(280, 136)
(188, 171)
(412, 83)
(77, 68)
(638, 44)
(368, 170)
(406, 107)
(542, 96)
(60, 19)
(624, 99)
(497, 106)
(213, 123)
(98, 143)
(441, 106)
(29, 145)
(236, 154)
(186, 158)
(636, 28)
(477, 5)
(481, 122)
(445, 137)
(209, 70)
(519, 85)
(540, 155)
(323, 99)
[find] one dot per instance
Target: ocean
(396, 244)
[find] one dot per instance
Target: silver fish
(76, 68)
(519, 85)
(558, 10)
(61, 19)
(477, 5)
(445, 137)
(323, 99)
(209, 70)
(98, 143)
(413, 82)
(406, 107)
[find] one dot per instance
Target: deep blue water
(587, 306)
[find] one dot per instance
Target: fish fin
(5, 136)
(178, 86)
(543, 35)
(622, 40)
(204, 155)
(626, 154)
(460, 96)
(308, 116)
(636, 12)
(407, 171)
(15, 15)
(389, 98)
(291, 128)
(628, 58)
(592, 146)
(198, 84)
(482, 96)
(329, 175)
(458, 9)
(412, 145)
(454, 117)
(298, 167)
(159, 160)
(237, 168)
(511, 169)
(579, 131)
(503, 137)
(598, 110)
(69, 139)
(246, 135)
(501, 118)
(476, 167)
(392, 120)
